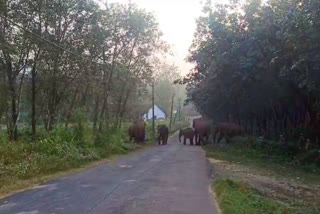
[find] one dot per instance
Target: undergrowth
(59, 150)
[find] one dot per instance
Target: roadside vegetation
(253, 179)
(59, 150)
(236, 198)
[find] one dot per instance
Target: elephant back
(163, 129)
(201, 125)
(137, 130)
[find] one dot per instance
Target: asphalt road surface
(170, 179)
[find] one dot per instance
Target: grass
(271, 163)
(237, 198)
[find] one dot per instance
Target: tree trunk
(96, 110)
(70, 109)
(33, 103)
(12, 128)
(123, 110)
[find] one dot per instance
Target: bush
(58, 150)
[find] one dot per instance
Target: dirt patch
(271, 186)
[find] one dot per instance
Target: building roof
(158, 107)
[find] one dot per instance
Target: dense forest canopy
(59, 59)
(258, 64)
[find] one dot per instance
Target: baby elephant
(163, 134)
(187, 133)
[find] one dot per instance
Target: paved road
(171, 179)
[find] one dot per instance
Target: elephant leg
(200, 139)
(197, 139)
(191, 141)
(184, 141)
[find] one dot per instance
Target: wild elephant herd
(137, 132)
(199, 133)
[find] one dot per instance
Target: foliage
(165, 88)
(257, 64)
(61, 57)
(61, 150)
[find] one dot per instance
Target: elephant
(227, 130)
(202, 129)
(136, 131)
(187, 133)
(163, 134)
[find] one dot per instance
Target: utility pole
(170, 125)
(153, 122)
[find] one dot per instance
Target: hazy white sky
(177, 22)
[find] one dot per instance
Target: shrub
(58, 150)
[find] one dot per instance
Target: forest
(257, 64)
(61, 58)
(73, 75)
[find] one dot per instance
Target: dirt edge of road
(292, 195)
(278, 188)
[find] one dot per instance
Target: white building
(159, 113)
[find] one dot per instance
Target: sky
(177, 21)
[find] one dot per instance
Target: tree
(258, 66)
(61, 57)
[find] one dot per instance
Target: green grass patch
(237, 198)
(271, 163)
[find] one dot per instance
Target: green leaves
(250, 56)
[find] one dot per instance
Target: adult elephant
(227, 130)
(163, 134)
(187, 133)
(136, 131)
(202, 130)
